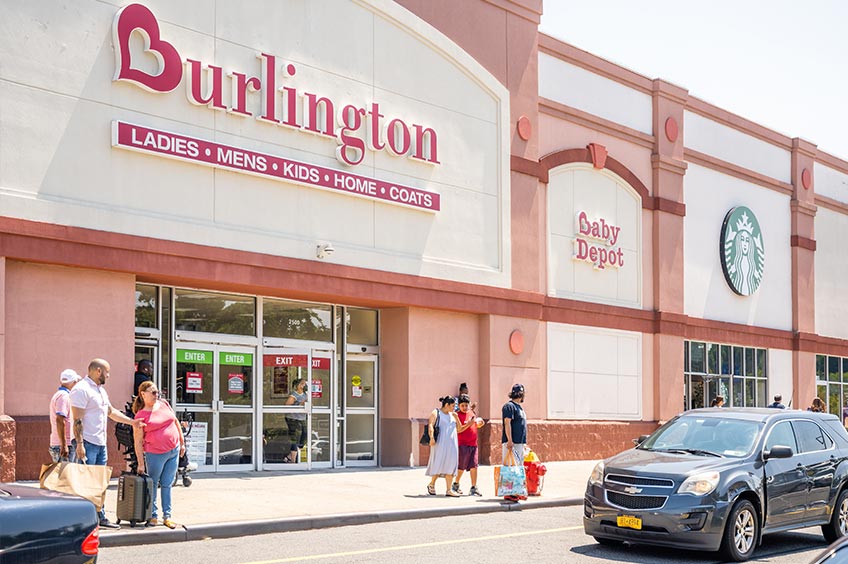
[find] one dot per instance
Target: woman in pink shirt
(162, 443)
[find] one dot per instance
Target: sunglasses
(154, 392)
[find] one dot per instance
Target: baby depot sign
(596, 241)
(269, 94)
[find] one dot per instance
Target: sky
(782, 64)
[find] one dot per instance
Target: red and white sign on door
(194, 382)
(298, 360)
(320, 364)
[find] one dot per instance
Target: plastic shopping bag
(511, 479)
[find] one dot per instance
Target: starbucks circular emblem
(743, 256)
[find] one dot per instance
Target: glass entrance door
(215, 385)
(148, 349)
(358, 433)
(286, 403)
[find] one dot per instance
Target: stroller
(124, 434)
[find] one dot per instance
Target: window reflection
(214, 313)
(294, 320)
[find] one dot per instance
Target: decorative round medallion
(525, 128)
(516, 342)
(806, 179)
(671, 129)
(742, 252)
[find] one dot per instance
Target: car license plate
(630, 522)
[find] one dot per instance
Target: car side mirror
(641, 439)
(778, 451)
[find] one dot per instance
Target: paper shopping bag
(84, 480)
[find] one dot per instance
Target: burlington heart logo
(743, 255)
(137, 17)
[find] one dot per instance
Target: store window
(146, 306)
(832, 383)
(297, 320)
(208, 312)
(362, 327)
(739, 374)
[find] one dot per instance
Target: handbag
(84, 480)
(510, 478)
(425, 437)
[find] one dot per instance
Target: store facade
(383, 200)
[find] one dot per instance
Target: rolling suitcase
(135, 498)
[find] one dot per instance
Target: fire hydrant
(535, 472)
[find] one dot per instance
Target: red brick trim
(593, 63)
(8, 457)
(526, 166)
(831, 204)
(739, 172)
(738, 123)
(802, 242)
(669, 206)
(596, 123)
(831, 161)
(583, 155)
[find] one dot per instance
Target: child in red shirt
(467, 446)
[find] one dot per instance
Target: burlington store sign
(280, 104)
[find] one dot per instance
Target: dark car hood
(645, 462)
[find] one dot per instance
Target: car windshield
(704, 436)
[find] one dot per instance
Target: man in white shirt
(61, 445)
(91, 408)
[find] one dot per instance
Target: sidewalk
(244, 503)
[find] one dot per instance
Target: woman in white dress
(444, 453)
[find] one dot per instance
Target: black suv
(718, 479)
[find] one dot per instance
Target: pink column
(803, 243)
(669, 211)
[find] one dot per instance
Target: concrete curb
(140, 535)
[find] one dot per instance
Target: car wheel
(741, 532)
(607, 542)
(838, 525)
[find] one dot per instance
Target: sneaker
(107, 524)
(475, 491)
(455, 488)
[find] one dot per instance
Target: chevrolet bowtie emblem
(632, 490)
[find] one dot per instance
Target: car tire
(607, 542)
(741, 532)
(837, 527)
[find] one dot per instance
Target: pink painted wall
(443, 352)
(394, 363)
(62, 318)
(504, 368)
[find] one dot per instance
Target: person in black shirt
(777, 402)
(514, 434)
(143, 373)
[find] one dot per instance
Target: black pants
(297, 432)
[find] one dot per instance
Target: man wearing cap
(60, 419)
(514, 433)
(92, 409)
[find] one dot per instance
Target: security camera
(324, 250)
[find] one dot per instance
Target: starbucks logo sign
(742, 253)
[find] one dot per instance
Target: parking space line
(414, 546)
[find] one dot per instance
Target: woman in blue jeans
(162, 443)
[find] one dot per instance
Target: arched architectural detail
(583, 155)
